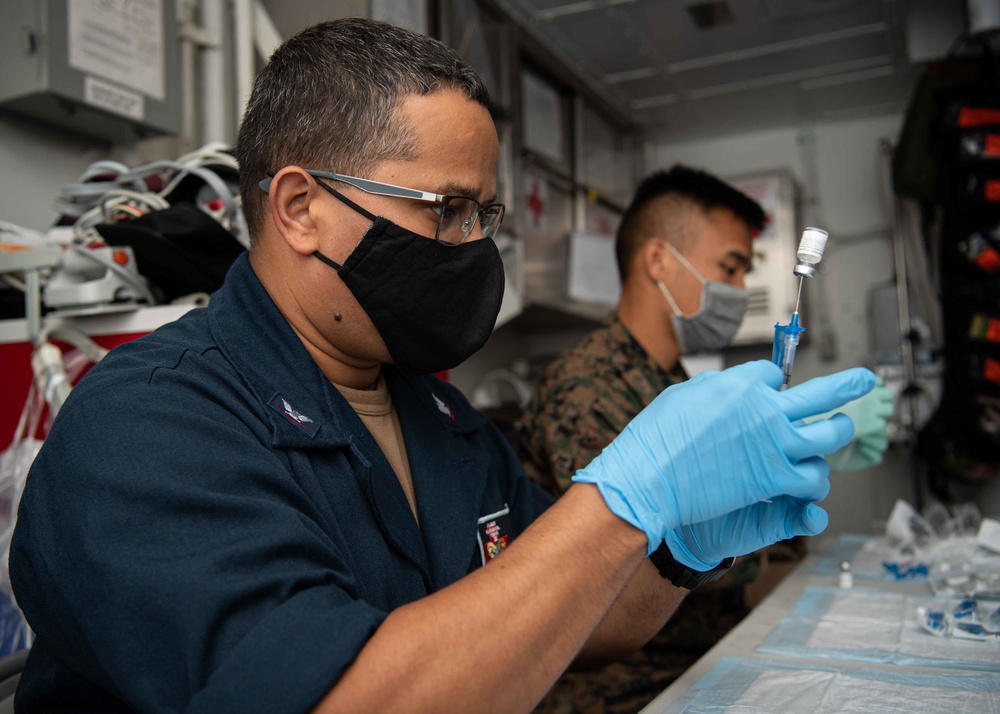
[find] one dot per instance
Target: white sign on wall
(121, 41)
(593, 271)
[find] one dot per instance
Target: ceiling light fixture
(849, 77)
(649, 102)
(776, 47)
(718, 90)
(630, 75)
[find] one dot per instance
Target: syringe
(786, 337)
(786, 341)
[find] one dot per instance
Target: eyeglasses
(457, 214)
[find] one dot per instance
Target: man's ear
(292, 203)
(656, 261)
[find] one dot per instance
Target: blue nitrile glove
(702, 546)
(870, 415)
(722, 441)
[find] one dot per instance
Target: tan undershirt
(377, 413)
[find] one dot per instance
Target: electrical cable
(14, 282)
(118, 270)
(126, 196)
(21, 234)
(214, 182)
(76, 337)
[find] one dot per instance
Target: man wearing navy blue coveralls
(265, 507)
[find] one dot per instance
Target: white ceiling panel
(773, 62)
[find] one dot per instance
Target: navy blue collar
(306, 410)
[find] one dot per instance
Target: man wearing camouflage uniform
(683, 248)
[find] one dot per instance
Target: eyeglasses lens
(458, 219)
(492, 216)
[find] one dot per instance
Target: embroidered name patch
(494, 534)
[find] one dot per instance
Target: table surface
(743, 639)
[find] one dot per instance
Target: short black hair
(659, 204)
(327, 99)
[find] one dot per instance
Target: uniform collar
(305, 410)
(631, 355)
(435, 399)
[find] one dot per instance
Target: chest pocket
(494, 533)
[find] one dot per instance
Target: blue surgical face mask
(717, 320)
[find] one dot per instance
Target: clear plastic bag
(960, 566)
(16, 459)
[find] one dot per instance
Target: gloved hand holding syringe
(725, 464)
(786, 337)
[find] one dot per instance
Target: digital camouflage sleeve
(583, 401)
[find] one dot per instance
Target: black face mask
(434, 305)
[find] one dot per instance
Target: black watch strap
(683, 576)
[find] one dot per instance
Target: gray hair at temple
(327, 98)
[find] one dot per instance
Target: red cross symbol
(535, 204)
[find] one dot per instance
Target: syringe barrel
(786, 340)
(778, 346)
(788, 358)
(811, 245)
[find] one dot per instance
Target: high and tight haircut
(327, 98)
(664, 204)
